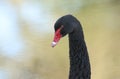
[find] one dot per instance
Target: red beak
(57, 37)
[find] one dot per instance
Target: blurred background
(26, 33)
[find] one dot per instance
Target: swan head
(63, 26)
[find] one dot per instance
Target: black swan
(79, 58)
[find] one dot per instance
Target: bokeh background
(26, 33)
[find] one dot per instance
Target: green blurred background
(26, 33)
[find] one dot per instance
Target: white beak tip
(53, 44)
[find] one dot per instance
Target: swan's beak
(57, 37)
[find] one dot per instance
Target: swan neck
(79, 59)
